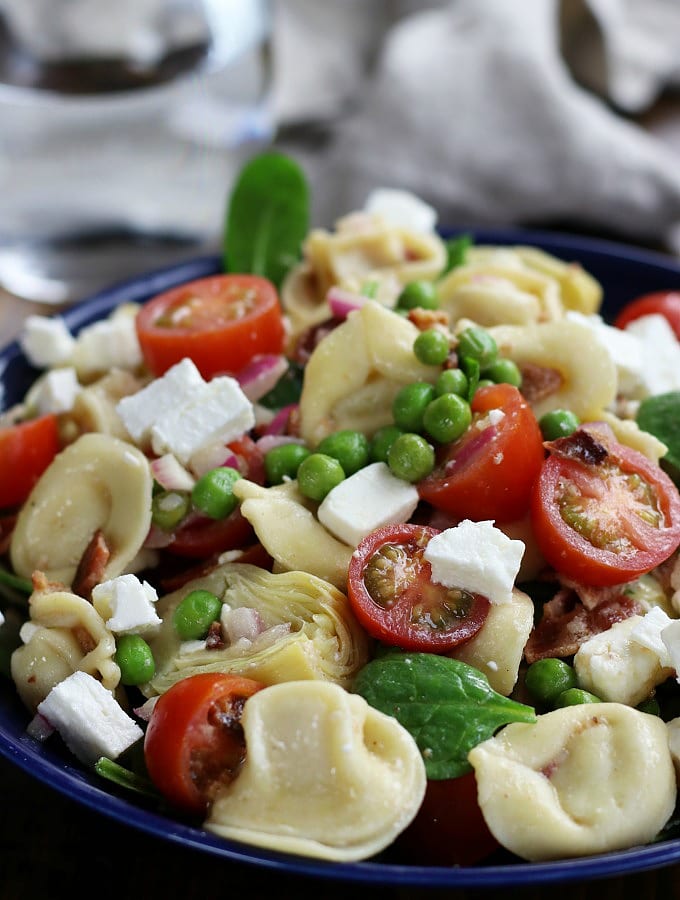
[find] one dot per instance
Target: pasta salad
(375, 551)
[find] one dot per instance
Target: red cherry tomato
(449, 828)
(663, 303)
(194, 742)
(489, 472)
(602, 513)
(26, 450)
(393, 596)
(220, 322)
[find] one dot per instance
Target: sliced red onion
(144, 711)
(279, 423)
(470, 449)
(343, 302)
(211, 457)
(269, 441)
(241, 623)
(157, 538)
(261, 374)
(270, 636)
(39, 728)
(171, 474)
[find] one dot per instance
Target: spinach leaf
(470, 366)
(456, 252)
(287, 389)
(660, 416)
(119, 775)
(448, 706)
(267, 217)
(16, 582)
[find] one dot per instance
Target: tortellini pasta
(97, 482)
(95, 406)
(68, 634)
(320, 638)
(363, 248)
(581, 780)
(325, 775)
(354, 374)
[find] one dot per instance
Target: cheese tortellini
(581, 780)
(325, 775)
(308, 630)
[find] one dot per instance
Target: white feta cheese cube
(46, 342)
(402, 208)
(88, 718)
(111, 343)
(56, 391)
(670, 635)
(219, 410)
(368, 499)
(624, 348)
(647, 632)
(477, 557)
(127, 605)
(616, 668)
(142, 410)
(660, 370)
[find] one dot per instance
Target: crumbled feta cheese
(670, 635)
(625, 350)
(46, 342)
(127, 605)
(477, 557)
(368, 499)
(142, 410)
(660, 370)
(495, 416)
(56, 391)
(111, 343)
(88, 718)
(402, 208)
(27, 630)
(648, 633)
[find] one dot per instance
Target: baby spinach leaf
(16, 582)
(287, 389)
(267, 217)
(456, 252)
(446, 705)
(660, 416)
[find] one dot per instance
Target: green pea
(410, 457)
(574, 697)
(134, 659)
(418, 294)
(431, 347)
(504, 371)
(213, 493)
(477, 343)
(382, 441)
(195, 614)
(558, 423)
(168, 508)
(452, 381)
(547, 678)
(410, 404)
(283, 461)
(447, 418)
(318, 475)
(485, 382)
(651, 706)
(350, 448)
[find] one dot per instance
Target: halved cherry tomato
(663, 303)
(26, 450)
(393, 596)
(489, 472)
(449, 828)
(602, 513)
(194, 742)
(220, 322)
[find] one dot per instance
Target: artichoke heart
(320, 638)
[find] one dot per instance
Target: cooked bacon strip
(91, 567)
(424, 319)
(214, 639)
(591, 597)
(566, 624)
(539, 382)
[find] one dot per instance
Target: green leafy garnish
(123, 777)
(287, 389)
(456, 252)
(446, 705)
(470, 366)
(660, 416)
(24, 585)
(267, 218)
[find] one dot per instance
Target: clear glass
(119, 140)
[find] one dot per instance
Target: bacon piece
(539, 382)
(214, 639)
(91, 567)
(591, 597)
(424, 319)
(566, 624)
(41, 583)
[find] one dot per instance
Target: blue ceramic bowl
(625, 273)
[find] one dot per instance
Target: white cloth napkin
(496, 112)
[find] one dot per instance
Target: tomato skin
(489, 474)
(220, 339)
(393, 623)
(449, 828)
(663, 303)
(26, 450)
(189, 751)
(571, 553)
